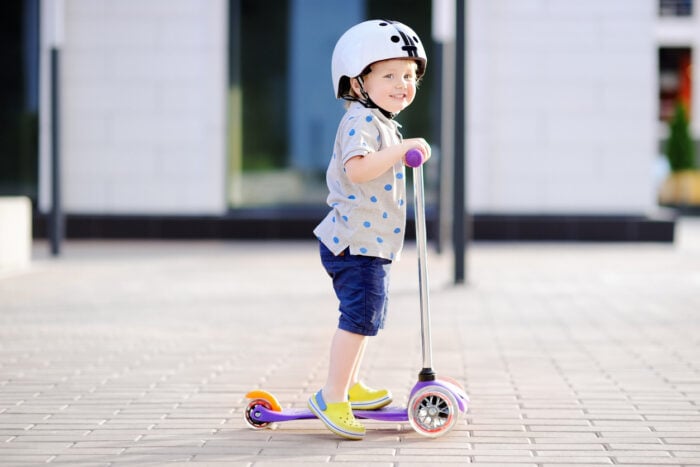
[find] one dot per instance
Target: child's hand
(420, 144)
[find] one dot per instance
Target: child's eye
(389, 76)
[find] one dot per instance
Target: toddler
(376, 67)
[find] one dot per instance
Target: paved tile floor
(142, 353)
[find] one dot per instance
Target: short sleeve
(360, 136)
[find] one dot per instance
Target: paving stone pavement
(142, 353)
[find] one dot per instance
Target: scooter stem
(427, 373)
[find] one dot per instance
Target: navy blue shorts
(361, 284)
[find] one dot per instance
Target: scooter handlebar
(414, 158)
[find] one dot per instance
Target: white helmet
(369, 42)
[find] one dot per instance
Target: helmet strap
(368, 102)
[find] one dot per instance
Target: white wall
(143, 107)
(561, 106)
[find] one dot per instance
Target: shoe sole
(371, 405)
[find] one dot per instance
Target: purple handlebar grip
(414, 158)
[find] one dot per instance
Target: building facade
(215, 109)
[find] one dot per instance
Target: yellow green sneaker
(363, 398)
(337, 417)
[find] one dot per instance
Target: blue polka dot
(392, 256)
(399, 176)
(336, 240)
(400, 202)
(345, 218)
(363, 250)
(352, 197)
(379, 138)
(352, 132)
(334, 205)
(397, 230)
(367, 224)
(368, 118)
(388, 187)
(385, 215)
(380, 240)
(333, 219)
(373, 199)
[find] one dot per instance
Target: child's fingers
(425, 148)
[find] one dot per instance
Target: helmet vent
(409, 47)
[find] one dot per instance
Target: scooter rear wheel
(433, 411)
(250, 411)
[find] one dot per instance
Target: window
(675, 7)
(19, 96)
(282, 114)
(675, 80)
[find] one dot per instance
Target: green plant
(680, 149)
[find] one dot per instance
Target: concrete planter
(15, 232)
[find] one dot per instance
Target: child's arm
(360, 169)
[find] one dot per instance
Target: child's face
(391, 84)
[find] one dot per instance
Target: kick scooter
(435, 403)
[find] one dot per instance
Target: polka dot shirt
(368, 217)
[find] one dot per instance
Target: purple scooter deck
(387, 414)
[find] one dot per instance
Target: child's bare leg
(355, 376)
(362, 396)
(346, 349)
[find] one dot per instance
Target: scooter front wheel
(433, 411)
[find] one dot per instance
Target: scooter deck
(387, 414)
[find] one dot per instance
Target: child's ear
(355, 86)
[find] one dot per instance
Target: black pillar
(459, 230)
(56, 216)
